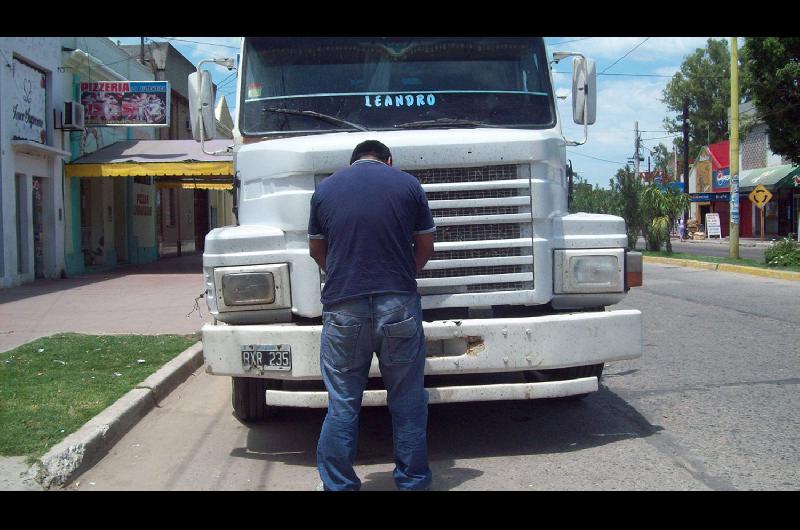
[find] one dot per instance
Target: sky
(632, 74)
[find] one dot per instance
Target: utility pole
(675, 166)
(636, 153)
(686, 154)
(733, 250)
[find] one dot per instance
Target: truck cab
(518, 296)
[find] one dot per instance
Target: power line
(199, 42)
(567, 41)
(630, 52)
(595, 158)
(660, 137)
(226, 80)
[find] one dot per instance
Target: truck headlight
(251, 287)
(589, 271)
(248, 288)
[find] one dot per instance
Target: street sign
(760, 196)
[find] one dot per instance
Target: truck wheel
(248, 397)
(565, 374)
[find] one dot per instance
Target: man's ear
(389, 161)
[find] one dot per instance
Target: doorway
(22, 204)
(121, 219)
(38, 227)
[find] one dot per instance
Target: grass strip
(718, 259)
(50, 387)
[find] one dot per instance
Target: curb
(725, 267)
(82, 449)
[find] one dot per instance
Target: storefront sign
(28, 103)
(709, 197)
(126, 103)
(722, 179)
(142, 206)
(712, 225)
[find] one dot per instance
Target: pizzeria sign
(125, 103)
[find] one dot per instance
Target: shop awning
(769, 177)
(181, 161)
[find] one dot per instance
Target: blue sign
(722, 179)
(735, 199)
(708, 197)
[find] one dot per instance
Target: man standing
(371, 231)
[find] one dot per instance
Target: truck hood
(411, 149)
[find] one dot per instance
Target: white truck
(515, 297)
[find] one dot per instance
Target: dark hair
(372, 148)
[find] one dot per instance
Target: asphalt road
(713, 404)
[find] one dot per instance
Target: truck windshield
(306, 85)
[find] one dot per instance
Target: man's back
(368, 214)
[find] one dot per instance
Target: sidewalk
(155, 298)
(150, 299)
(743, 241)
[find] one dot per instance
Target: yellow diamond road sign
(760, 196)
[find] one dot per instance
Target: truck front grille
(483, 235)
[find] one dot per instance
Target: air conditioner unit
(73, 116)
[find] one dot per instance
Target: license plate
(267, 357)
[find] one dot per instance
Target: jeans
(391, 326)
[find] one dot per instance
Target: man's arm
(318, 248)
(423, 249)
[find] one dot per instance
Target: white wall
(44, 54)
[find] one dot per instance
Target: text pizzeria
(105, 87)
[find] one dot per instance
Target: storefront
(709, 185)
(160, 194)
(781, 212)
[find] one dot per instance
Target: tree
(703, 81)
(771, 79)
(629, 187)
(586, 198)
(660, 209)
(662, 159)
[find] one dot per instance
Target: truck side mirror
(201, 106)
(584, 91)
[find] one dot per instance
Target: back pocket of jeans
(401, 340)
(340, 345)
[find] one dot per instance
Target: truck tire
(565, 374)
(248, 397)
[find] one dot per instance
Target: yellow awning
(151, 169)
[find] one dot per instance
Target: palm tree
(660, 210)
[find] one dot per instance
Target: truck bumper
(453, 348)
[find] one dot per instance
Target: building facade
(758, 164)
(110, 221)
(32, 150)
(184, 216)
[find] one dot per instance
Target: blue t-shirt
(368, 214)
